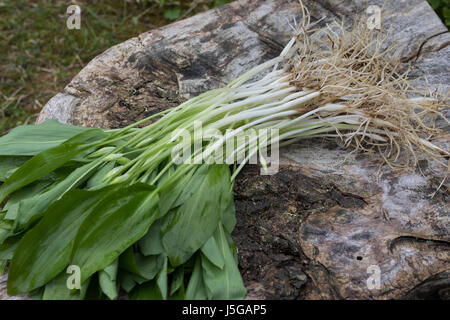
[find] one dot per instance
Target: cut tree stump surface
(320, 227)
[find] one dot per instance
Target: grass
(40, 55)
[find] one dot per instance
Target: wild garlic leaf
(57, 289)
(8, 246)
(33, 208)
(211, 251)
(155, 289)
(146, 267)
(161, 280)
(49, 160)
(147, 291)
(225, 283)
(196, 289)
(107, 279)
(151, 243)
(29, 140)
(111, 229)
(193, 223)
(229, 217)
(129, 280)
(170, 191)
(177, 281)
(52, 239)
(10, 163)
(7, 249)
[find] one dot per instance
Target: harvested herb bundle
(121, 206)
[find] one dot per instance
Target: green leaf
(146, 291)
(193, 223)
(29, 191)
(129, 280)
(96, 180)
(196, 289)
(33, 208)
(127, 217)
(108, 280)
(45, 250)
(49, 160)
(151, 243)
(223, 283)
(229, 217)
(7, 249)
(170, 192)
(153, 290)
(30, 140)
(177, 280)
(3, 264)
(57, 289)
(161, 280)
(145, 267)
(8, 164)
(211, 251)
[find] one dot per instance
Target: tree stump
(321, 228)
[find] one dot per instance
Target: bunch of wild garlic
(150, 209)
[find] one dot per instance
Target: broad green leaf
(8, 164)
(32, 209)
(146, 267)
(146, 291)
(45, 250)
(193, 223)
(173, 189)
(151, 243)
(96, 180)
(29, 140)
(161, 280)
(180, 294)
(5, 232)
(29, 191)
(229, 216)
(153, 290)
(211, 251)
(225, 283)
(177, 280)
(3, 264)
(29, 210)
(196, 289)
(107, 233)
(129, 280)
(192, 185)
(57, 289)
(49, 160)
(107, 279)
(7, 249)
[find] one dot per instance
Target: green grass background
(39, 55)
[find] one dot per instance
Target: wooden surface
(312, 230)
